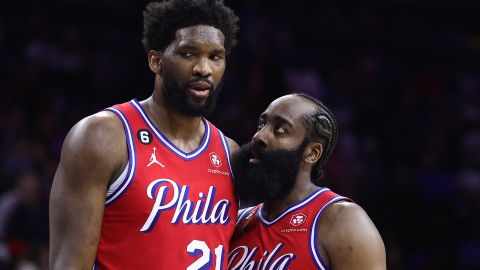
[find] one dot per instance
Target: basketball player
(299, 225)
(147, 184)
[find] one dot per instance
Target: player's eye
(280, 129)
(186, 54)
(215, 57)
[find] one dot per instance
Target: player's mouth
(254, 158)
(200, 89)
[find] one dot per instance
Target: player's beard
(272, 177)
(177, 99)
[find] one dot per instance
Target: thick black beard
(176, 97)
(271, 178)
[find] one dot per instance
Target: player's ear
(155, 61)
(313, 152)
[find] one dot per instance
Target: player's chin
(198, 103)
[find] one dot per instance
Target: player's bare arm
(93, 153)
(349, 239)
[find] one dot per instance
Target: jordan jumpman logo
(153, 159)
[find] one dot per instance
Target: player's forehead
(292, 108)
(199, 35)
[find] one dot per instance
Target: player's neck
(302, 189)
(184, 131)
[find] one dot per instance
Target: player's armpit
(350, 238)
(90, 156)
(232, 146)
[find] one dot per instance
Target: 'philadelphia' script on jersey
(204, 211)
(242, 258)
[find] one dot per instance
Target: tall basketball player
(147, 184)
(298, 225)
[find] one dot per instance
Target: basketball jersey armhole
(316, 256)
(95, 265)
(117, 182)
(121, 184)
(227, 151)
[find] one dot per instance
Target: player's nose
(202, 68)
(260, 138)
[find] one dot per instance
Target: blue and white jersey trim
(115, 184)
(292, 208)
(243, 212)
(313, 235)
(227, 151)
(164, 140)
(132, 160)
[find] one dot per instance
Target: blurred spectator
(23, 220)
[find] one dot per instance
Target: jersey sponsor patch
(215, 159)
(294, 230)
(298, 219)
(216, 162)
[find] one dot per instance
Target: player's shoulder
(343, 207)
(103, 118)
(347, 223)
(99, 126)
(97, 134)
(342, 213)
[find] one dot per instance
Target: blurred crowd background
(401, 76)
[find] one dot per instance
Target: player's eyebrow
(277, 118)
(280, 119)
(192, 47)
(218, 51)
(187, 47)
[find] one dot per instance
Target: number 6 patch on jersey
(144, 136)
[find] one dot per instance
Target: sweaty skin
(95, 152)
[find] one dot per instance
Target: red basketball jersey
(288, 242)
(169, 209)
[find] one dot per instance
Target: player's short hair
(321, 127)
(162, 19)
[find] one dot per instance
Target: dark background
(402, 78)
